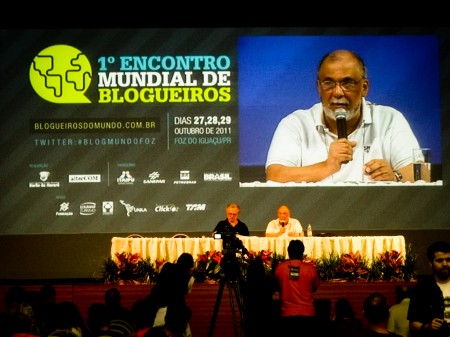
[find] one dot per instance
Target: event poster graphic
(154, 130)
(122, 130)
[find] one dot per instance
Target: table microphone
(341, 122)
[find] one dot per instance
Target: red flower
(350, 261)
(202, 259)
(353, 265)
(127, 260)
(127, 264)
(392, 259)
(392, 262)
(159, 263)
(216, 256)
(308, 260)
(266, 257)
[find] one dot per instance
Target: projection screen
(157, 130)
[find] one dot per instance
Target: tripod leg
(233, 313)
(240, 302)
(212, 324)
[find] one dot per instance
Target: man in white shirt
(398, 321)
(378, 141)
(284, 225)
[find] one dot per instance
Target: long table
(159, 248)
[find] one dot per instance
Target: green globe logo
(61, 74)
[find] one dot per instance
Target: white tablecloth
(170, 248)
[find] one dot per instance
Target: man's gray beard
(330, 113)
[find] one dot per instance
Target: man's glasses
(346, 85)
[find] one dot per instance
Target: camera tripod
(234, 293)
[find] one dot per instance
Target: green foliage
(210, 267)
(328, 266)
(145, 271)
(128, 268)
(376, 270)
(409, 268)
(276, 258)
(109, 272)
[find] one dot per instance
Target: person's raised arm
(271, 234)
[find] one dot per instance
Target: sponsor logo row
(126, 178)
(110, 208)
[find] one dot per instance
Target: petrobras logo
(88, 208)
(185, 175)
(185, 178)
(169, 208)
(84, 178)
(217, 176)
(195, 207)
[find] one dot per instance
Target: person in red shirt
(297, 282)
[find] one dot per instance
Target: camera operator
(231, 223)
(227, 230)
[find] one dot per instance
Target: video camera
(230, 242)
(230, 246)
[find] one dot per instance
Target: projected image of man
(344, 137)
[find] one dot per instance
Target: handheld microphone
(341, 122)
(282, 223)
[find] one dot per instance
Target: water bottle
(309, 231)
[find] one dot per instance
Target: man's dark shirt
(224, 227)
(427, 302)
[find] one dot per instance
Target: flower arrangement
(387, 266)
(209, 267)
(128, 269)
(348, 267)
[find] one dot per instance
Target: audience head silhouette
(343, 309)
(376, 308)
(185, 261)
(113, 297)
(296, 249)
